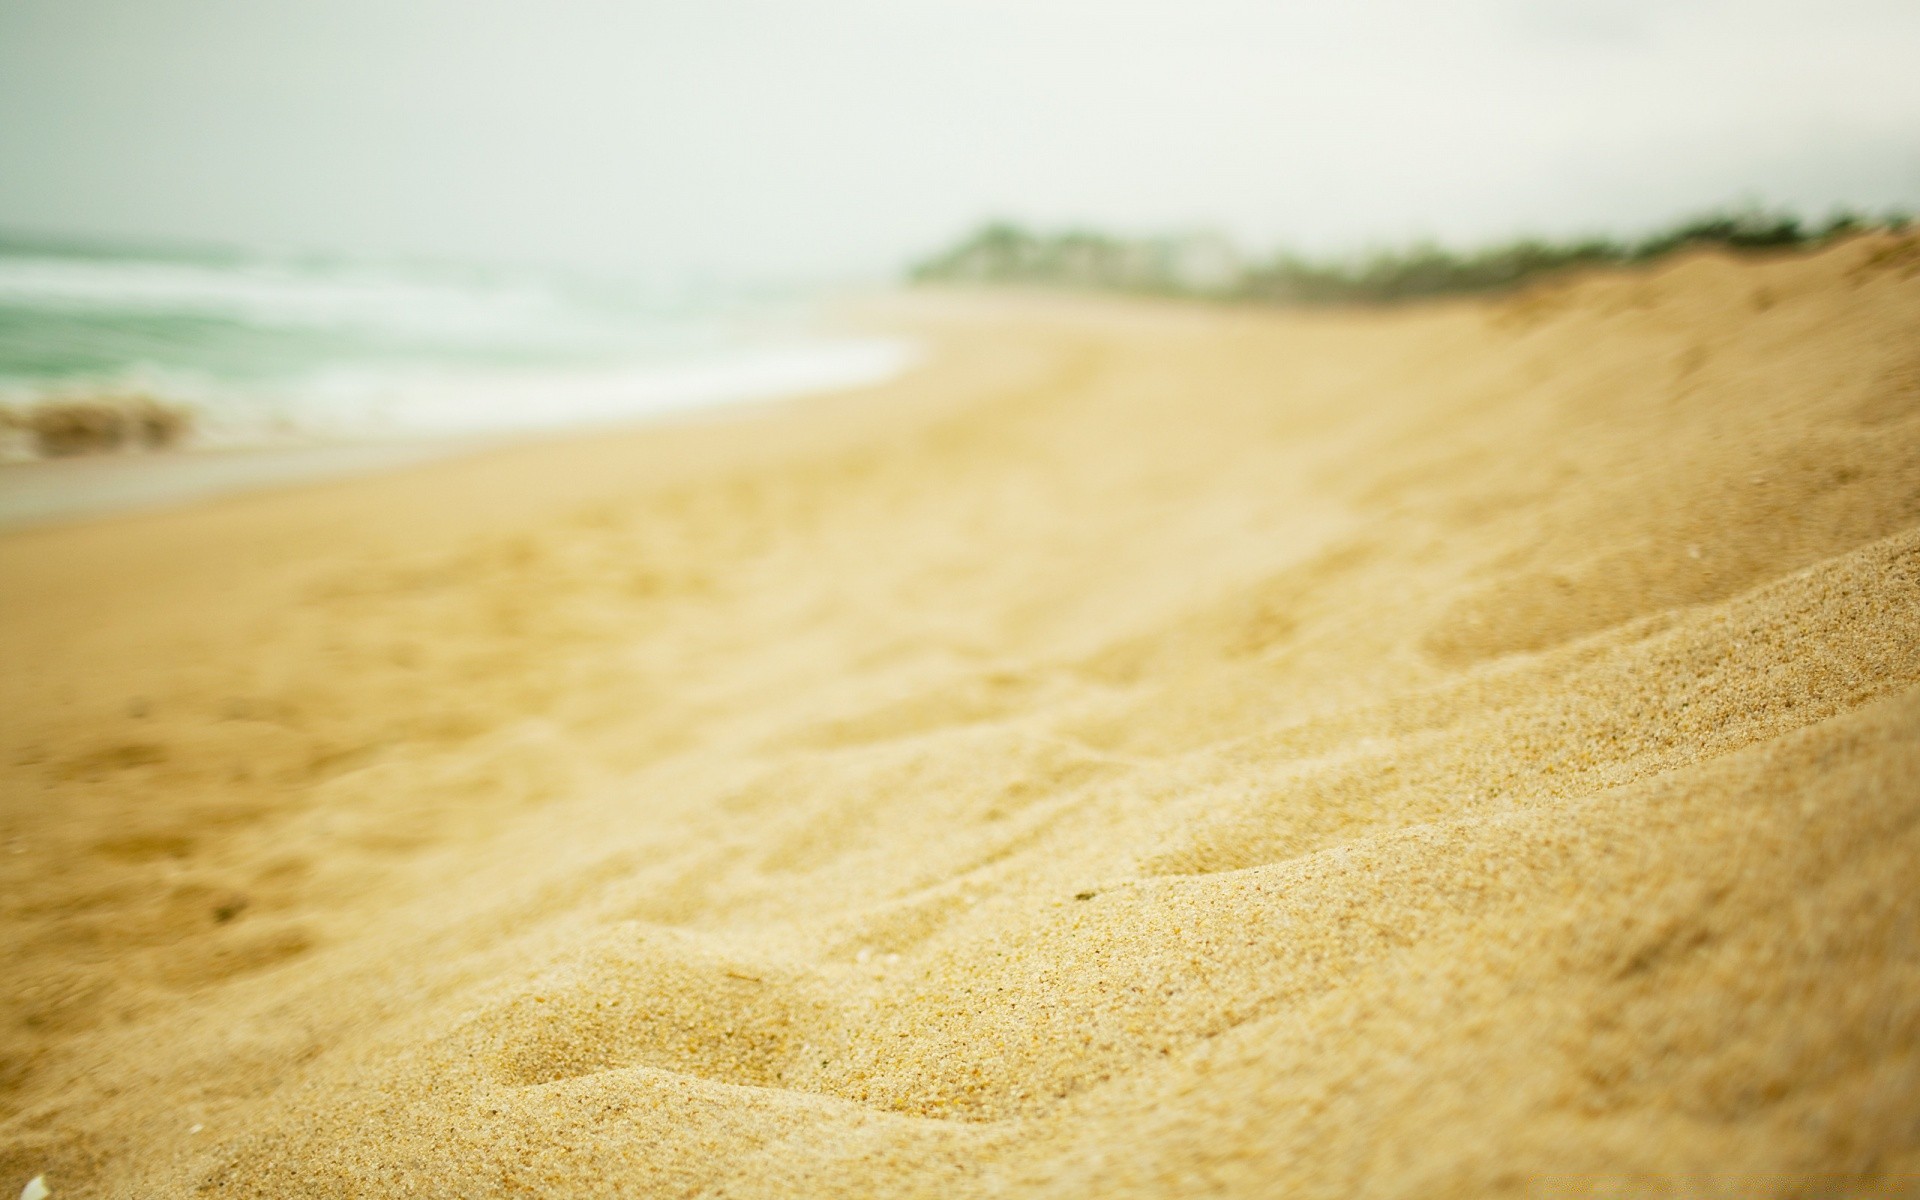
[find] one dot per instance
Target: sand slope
(1152, 750)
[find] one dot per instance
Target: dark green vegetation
(1205, 265)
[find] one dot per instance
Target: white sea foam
(464, 401)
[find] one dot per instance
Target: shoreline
(53, 491)
(458, 415)
(58, 491)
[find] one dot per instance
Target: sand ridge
(1151, 749)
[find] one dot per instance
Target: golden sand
(1151, 750)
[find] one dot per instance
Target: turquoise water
(271, 350)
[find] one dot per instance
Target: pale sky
(802, 138)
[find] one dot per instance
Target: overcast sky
(785, 138)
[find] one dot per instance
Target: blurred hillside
(1209, 265)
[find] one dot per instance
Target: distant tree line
(1207, 265)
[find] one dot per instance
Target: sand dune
(1150, 750)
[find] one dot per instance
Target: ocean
(273, 351)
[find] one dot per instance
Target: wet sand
(1147, 750)
(53, 491)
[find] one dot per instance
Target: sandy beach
(1146, 750)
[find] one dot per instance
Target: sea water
(267, 351)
